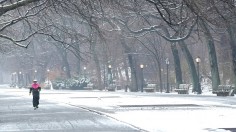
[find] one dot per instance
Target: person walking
(35, 90)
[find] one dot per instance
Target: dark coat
(35, 91)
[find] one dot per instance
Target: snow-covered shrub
(59, 84)
(72, 83)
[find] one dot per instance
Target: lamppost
(85, 71)
(141, 67)
(199, 91)
(167, 75)
(109, 74)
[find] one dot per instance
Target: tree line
(73, 34)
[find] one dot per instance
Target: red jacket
(35, 88)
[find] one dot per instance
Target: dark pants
(35, 100)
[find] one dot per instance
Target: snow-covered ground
(158, 112)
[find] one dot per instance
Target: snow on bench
(183, 89)
(89, 86)
(150, 88)
(224, 90)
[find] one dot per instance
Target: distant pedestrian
(35, 90)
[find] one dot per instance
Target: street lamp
(141, 67)
(109, 74)
(85, 71)
(167, 75)
(199, 91)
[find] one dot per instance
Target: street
(68, 110)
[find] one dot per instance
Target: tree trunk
(97, 65)
(66, 63)
(120, 77)
(190, 61)
(126, 71)
(62, 52)
(78, 58)
(212, 56)
(96, 60)
(134, 80)
(159, 74)
(231, 30)
(178, 71)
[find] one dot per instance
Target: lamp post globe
(198, 60)
(141, 66)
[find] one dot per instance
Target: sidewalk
(154, 112)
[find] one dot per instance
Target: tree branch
(9, 7)
(14, 21)
(17, 42)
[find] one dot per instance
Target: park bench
(118, 87)
(89, 86)
(224, 90)
(111, 87)
(149, 88)
(183, 89)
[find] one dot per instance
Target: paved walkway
(17, 114)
